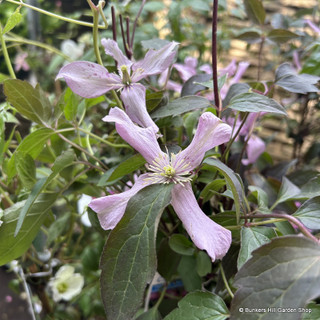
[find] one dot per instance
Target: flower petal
(155, 62)
(205, 233)
(110, 209)
(88, 79)
(111, 48)
(134, 99)
(255, 147)
(211, 132)
(75, 284)
(143, 140)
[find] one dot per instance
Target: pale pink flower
(90, 80)
(176, 169)
(20, 62)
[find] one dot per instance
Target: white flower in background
(66, 284)
(72, 49)
(82, 209)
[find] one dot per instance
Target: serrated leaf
(181, 105)
(128, 166)
(254, 102)
(233, 182)
(251, 239)
(191, 86)
(128, 261)
(255, 11)
(26, 169)
(61, 162)
(288, 79)
(274, 278)
(13, 20)
(200, 306)
(281, 35)
(12, 247)
(29, 101)
(309, 213)
(180, 244)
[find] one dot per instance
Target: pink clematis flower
(90, 80)
(176, 169)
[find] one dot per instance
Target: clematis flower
(20, 62)
(176, 169)
(66, 284)
(90, 80)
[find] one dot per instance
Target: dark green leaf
(128, 166)
(180, 244)
(57, 228)
(187, 270)
(254, 102)
(209, 84)
(310, 189)
(251, 239)
(200, 306)
(191, 87)
(152, 314)
(181, 105)
(287, 190)
(13, 20)
(12, 247)
(309, 213)
(204, 264)
(281, 35)
(288, 79)
(128, 262)
(232, 180)
(71, 101)
(255, 11)
(26, 169)
(29, 101)
(274, 277)
(61, 162)
(311, 312)
(235, 90)
(250, 37)
(212, 188)
(153, 100)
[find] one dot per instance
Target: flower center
(125, 75)
(62, 287)
(167, 170)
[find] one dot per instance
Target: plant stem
(114, 26)
(95, 14)
(6, 55)
(163, 292)
(214, 56)
(225, 281)
(135, 23)
(53, 15)
(260, 57)
(288, 217)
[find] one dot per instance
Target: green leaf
(249, 37)
(204, 264)
(13, 20)
(281, 35)
(311, 312)
(274, 278)
(152, 314)
(181, 105)
(254, 102)
(187, 270)
(12, 247)
(287, 190)
(262, 197)
(251, 239)
(3, 77)
(232, 180)
(180, 244)
(192, 86)
(153, 100)
(128, 166)
(57, 228)
(309, 213)
(61, 162)
(128, 261)
(200, 306)
(212, 188)
(310, 189)
(71, 104)
(209, 84)
(288, 79)
(29, 101)
(26, 169)
(235, 90)
(255, 11)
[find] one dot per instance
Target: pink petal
(141, 139)
(230, 69)
(211, 132)
(242, 67)
(255, 147)
(314, 27)
(185, 72)
(170, 85)
(205, 233)
(88, 79)
(191, 62)
(206, 68)
(110, 209)
(155, 62)
(111, 48)
(134, 99)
